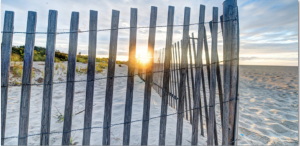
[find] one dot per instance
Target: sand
(268, 108)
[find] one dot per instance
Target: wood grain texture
(110, 76)
(173, 78)
(26, 78)
(215, 129)
(236, 125)
(149, 75)
(73, 40)
(212, 93)
(183, 72)
(194, 92)
(90, 78)
(130, 79)
(233, 71)
(227, 46)
(198, 65)
(177, 73)
(48, 79)
(192, 80)
(166, 77)
(7, 39)
(189, 96)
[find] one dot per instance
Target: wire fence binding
(57, 132)
(114, 29)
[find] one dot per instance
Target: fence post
(198, 65)
(110, 76)
(166, 77)
(48, 79)
(90, 78)
(149, 75)
(70, 78)
(183, 72)
(233, 70)
(212, 92)
(236, 123)
(26, 78)
(130, 79)
(230, 68)
(7, 37)
(195, 89)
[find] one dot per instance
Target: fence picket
(90, 78)
(5, 65)
(73, 40)
(226, 73)
(198, 65)
(149, 75)
(48, 79)
(233, 71)
(110, 76)
(130, 79)
(236, 125)
(183, 72)
(189, 95)
(166, 77)
(26, 78)
(177, 73)
(220, 89)
(215, 125)
(195, 90)
(212, 93)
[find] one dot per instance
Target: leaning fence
(176, 73)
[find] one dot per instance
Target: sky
(268, 28)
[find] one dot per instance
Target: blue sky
(268, 28)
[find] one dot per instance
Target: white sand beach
(267, 112)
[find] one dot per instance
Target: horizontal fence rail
(176, 73)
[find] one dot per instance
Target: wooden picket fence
(174, 76)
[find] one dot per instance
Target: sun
(143, 57)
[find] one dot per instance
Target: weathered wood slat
(174, 76)
(185, 96)
(194, 92)
(110, 76)
(166, 77)
(233, 71)
(48, 79)
(192, 77)
(214, 51)
(90, 78)
(215, 129)
(149, 75)
(183, 72)
(227, 38)
(130, 79)
(236, 125)
(177, 73)
(26, 78)
(189, 95)
(6, 45)
(73, 40)
(198, 66)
